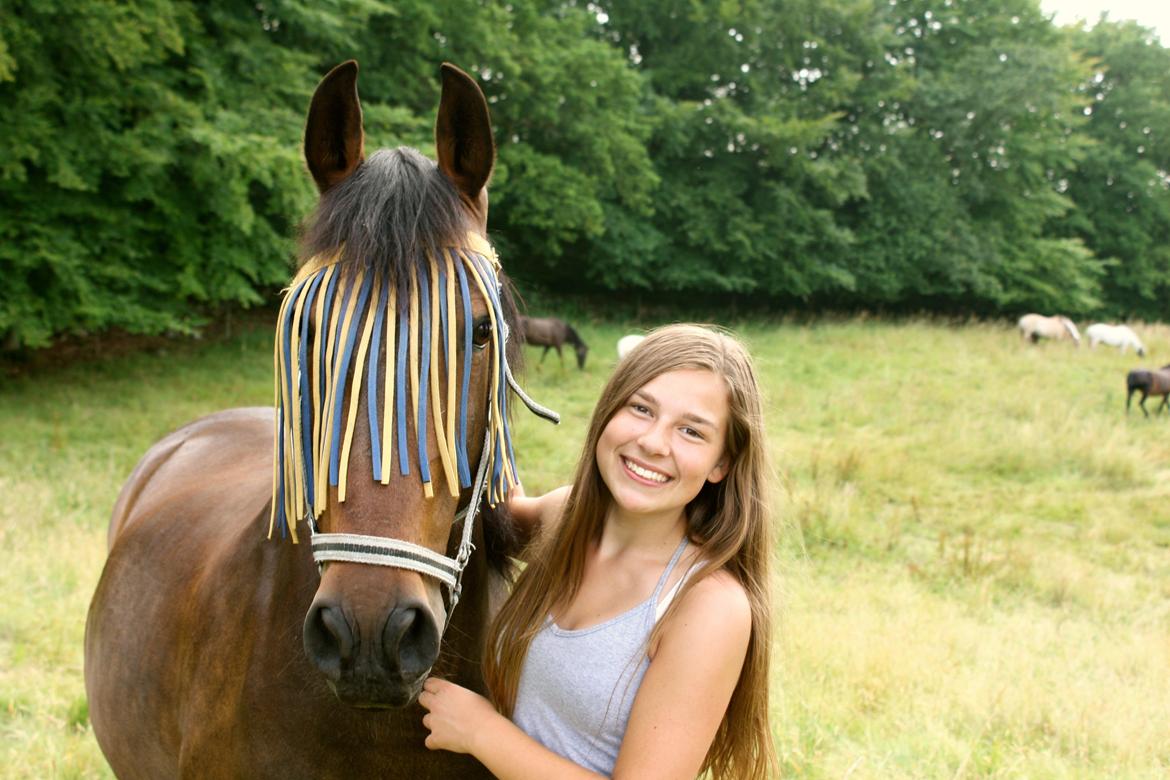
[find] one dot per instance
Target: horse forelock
(396, 209)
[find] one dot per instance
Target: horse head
(391, 387)
(582, 351)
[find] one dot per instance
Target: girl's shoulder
(716, 603)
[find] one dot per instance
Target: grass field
(974, 552)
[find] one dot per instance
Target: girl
(636, 641)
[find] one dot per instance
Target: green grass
(974, 546)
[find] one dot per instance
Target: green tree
(971, 158)
(1122, 186)
(151, 166)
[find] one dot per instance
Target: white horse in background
(627, 343)
(1036, 326)
(1114, 336)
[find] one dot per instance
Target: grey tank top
(577, 687)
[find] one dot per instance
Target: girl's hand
(454, 715)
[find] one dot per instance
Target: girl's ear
(720, 471)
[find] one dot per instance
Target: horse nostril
(411, 639)
(328, 639)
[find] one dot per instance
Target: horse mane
(396, 210)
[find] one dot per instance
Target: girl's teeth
(641, 472)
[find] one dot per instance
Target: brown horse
(212, 650)
(551, 333)
(1148, 382)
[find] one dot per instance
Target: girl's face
(665, 442)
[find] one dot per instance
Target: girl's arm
(536, 515)
(689, 683)
(465, 722)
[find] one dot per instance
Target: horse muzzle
(382, 666)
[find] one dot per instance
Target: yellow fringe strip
(293, 415)
(318, 375)
(436, 398)
(276, 428)
(388, 382)
(339, 379)
(356, 390)
(452, 374)
(286, 405)
(330, 392)
(414, 377)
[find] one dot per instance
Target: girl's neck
(654, 536)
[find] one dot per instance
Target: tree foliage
(950, 155)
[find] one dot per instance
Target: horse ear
(334, 140)
(463, 133)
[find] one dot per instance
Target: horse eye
(481, 332)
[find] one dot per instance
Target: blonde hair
(729, 521)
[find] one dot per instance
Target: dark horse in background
(1148, 381)
(212, 650)
(551, 333)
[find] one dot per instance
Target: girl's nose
(655, 440)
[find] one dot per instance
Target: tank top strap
(669, 568)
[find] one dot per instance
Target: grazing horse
(1114, 336)
(1036, 326)
(627, 343)
(213, 649)
(1148, 381)
(551, 333)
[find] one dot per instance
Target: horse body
(552, 333)
(1115, 336)
(1035, 327)
(211, 651)
(1148, 382)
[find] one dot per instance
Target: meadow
(973, 547)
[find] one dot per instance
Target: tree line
(954, 156)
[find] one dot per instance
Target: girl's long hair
(729, 521)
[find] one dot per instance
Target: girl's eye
(481, 332)
(692, 433)
(640, 408)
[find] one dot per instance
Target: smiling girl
(636, 641)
